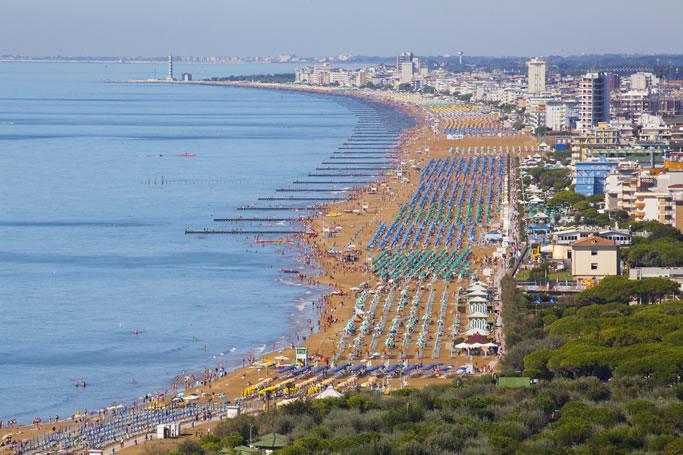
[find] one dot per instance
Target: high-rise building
(536, 76)
(406, 72)
(169, 76)
(361, 78)
(403, 58)
(594, 100)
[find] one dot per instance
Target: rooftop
(594, 241)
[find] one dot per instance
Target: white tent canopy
(476, 293)
(329, 392)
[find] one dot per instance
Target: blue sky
(323, 27)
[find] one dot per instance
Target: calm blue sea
(92, 244)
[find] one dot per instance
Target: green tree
(565, 198)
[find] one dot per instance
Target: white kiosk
(168, 430)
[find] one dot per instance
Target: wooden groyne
(275, 198)
(358, 164)
(365, 154)
(314, 174)
(295, 209)
(375, 158)
(240, 231)
(257, 219)
(355, 168)
(309, 190)
(328, 182)
(353, 147)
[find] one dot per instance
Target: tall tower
(169, 76)
(594, 93)
(536, 76)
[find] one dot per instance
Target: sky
(325, 27)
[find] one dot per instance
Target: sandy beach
(354, 222)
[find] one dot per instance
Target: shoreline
(385, 206)
(309, 281)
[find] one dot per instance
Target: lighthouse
(169, 76)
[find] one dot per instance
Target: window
(594, 252)
(594, 266)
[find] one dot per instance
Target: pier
(240, 231)
(360, 164)
(257, 219)
(274, 198)
(328, 182)
(374, 168)
(309, 190)
(341, 175)
(349, 147)
(374, 159)
(369, 154)
(295, 209)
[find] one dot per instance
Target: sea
(98, 281)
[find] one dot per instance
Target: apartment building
(340, 77)
(536, 75)
(590, 176)
(653, 205)
(621, 185)
(595, 257)
(556, 116)
(594, 98)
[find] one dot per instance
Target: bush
(572, 430)
(239, 425)
(190, 447)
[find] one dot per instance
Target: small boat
(290, 271)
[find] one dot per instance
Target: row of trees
(660, 245)
(600, 334)
(471, 416)
(547, 179)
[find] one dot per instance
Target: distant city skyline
(310, 28)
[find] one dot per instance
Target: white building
(556, 116)
(569, 236)
(477, 309)
(654, 130)
(340, 77)
(643, 81)
(536, 76)
(406, 76)
(621, 185)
